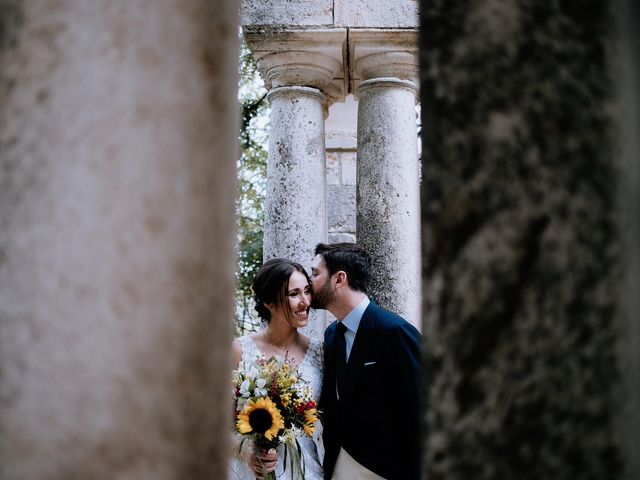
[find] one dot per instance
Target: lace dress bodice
(310, 370)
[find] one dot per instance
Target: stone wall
(341, 146)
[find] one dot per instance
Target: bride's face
(298, 297)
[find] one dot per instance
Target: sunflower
(262, 417)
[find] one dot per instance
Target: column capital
(308, 58)
(378, 53)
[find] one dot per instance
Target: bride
(283, 294)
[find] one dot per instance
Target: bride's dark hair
(271, 284)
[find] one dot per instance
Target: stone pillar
(388, 198)
(295, 203)
(524, 223)
(118, 143)
(303, 72)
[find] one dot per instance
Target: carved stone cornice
(377, 53)
(308, 58)
(318, 57)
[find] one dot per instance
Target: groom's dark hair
(349, 258)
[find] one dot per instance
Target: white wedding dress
(310, 370)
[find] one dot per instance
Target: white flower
(260, 391)
(252, 373)
(244, 388)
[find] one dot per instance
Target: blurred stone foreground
(516, 252)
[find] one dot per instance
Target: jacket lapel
(364, 338)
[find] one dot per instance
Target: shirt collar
(352, 320)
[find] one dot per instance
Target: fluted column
(388, 195)
(118, 143)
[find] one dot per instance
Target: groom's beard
(322, 297)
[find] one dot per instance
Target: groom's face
(321, 283)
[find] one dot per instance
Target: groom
(371, 374)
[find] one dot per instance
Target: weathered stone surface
(342, 140)
(303, 14)
(388, 218)
(340, 124)
(295, 199)
(310, 58)
(118, 143)
(296, 13)
(341, 146)
(521, 241)
(334, 169)
(341, 167)
(341, 208)
(339, 238)
(376, 13)
(348, 161)
(376, 53)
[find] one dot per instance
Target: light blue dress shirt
(352, 322)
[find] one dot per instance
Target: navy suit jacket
(377, 419)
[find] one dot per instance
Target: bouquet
(273, 407)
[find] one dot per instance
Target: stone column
(118, 130)
(295, 203)
(303, 72)
(388, 198)
(526, 222)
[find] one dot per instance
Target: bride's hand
(263, 461)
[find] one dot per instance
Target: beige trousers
(348, 469)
